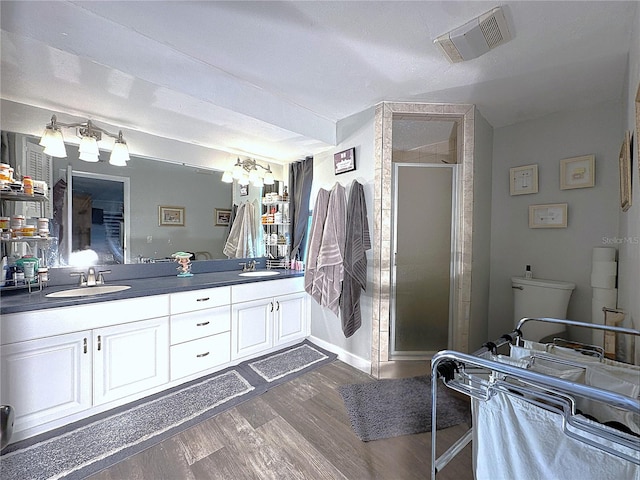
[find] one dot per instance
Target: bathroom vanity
(66, 359)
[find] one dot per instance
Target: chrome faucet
(91, 279)
(249, 267)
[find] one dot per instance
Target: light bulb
(119, 155)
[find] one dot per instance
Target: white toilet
(535, 297)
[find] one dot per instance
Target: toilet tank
(535, 297)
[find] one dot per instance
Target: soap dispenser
(527, 272)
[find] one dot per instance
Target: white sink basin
(261, 273)
(88, 291)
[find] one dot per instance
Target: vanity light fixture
(90, 135)
(246, 171)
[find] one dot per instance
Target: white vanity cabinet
(47, 378)
(52, 370)
(266, 315)
(130, 358)
(59, 365)
(200, 330)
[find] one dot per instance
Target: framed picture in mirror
(222, 217)
(170, 216)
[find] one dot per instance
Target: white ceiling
(272, 79)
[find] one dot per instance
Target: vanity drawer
(200, 299)
(198, 355)
(192, 325)
(266, 289)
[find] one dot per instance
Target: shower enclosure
(423, 230)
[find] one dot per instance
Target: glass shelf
(28, 239)
(21, 197)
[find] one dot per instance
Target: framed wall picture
(170, 216)
(222, 217)
(523, 180)
(344, 161)
(577, 172)
(552, 215)
(625, 172)
(638, 127)
(244, 190)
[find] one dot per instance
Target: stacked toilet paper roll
(604, 272)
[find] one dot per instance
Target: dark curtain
(300, 177)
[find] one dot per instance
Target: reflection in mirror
(139, 237)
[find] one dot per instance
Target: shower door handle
(519, 287)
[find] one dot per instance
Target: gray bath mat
(81, 449)
(390, 408)
(288, 362)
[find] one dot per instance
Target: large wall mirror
(140, 213)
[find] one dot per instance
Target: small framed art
(170, 216)
(577, 172)
(638, 127)
(222, 217)
(523, 180)
(625, 172)
(552, 215)
(344, 161)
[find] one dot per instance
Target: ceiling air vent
(476, 37)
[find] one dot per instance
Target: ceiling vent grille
(476, 37)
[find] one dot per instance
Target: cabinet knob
(204, 299)
(99, 342)
(84, 344)
(200, 355)
(202, 324)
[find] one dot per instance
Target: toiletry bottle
(527, 272)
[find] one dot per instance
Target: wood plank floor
(298, 430)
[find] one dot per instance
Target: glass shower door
(422, 278)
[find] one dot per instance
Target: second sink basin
(260, 273)
(88, 291)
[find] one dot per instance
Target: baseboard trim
(347, 357)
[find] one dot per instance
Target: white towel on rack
(242, 238)
(517, 440)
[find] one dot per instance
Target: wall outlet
(149, 238)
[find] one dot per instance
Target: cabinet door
(252, 327)
(130, 358)
(290, 317)
(46, 379)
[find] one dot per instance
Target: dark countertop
(22, 301)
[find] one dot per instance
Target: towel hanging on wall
(358, 241)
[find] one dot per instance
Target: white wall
(558, 254)
(629, 233)
(357, 132)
